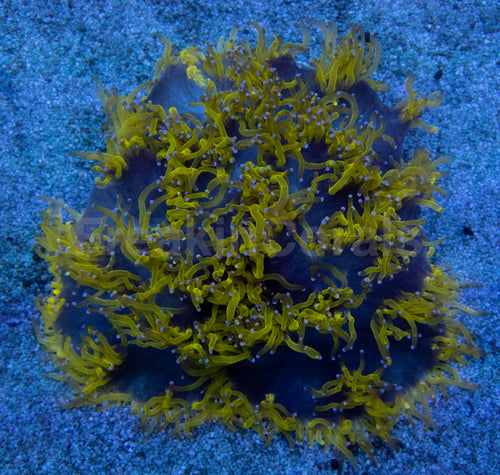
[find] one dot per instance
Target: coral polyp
(252, 252)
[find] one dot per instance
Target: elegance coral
(252, 252)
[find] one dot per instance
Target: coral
(252, 252)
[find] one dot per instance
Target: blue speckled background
(50, 55)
